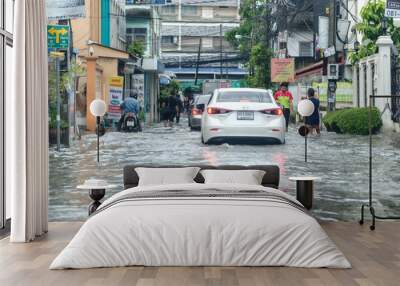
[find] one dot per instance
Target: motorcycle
(131, 123)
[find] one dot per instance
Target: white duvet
(205, 231)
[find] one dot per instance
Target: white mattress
(205, 231)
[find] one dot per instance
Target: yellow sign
(57, 55)
(282, 70)
(117, 81)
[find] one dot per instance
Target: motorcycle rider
(130, 104)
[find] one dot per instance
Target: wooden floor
(375, 257)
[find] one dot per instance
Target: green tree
(136, 48)
(68, 79)
(370, 27)
(66, 84)
(255, 45)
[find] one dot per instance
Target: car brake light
(274, 111)
(196, 111)
(214, 110)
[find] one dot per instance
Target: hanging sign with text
(116, 84)
(282, 70)
(65, 9)
(57, 36)
(392, 8)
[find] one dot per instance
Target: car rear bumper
(274, 130)
(244, 140)
(195, 122)
(245, 134)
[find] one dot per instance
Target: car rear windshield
(203, 99)
(244, 96)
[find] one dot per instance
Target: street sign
(282, 70)
(392, 9)
(57, 55)
(58, 36)
(116, 84)
(65, 9)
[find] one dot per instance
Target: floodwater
(340, 160)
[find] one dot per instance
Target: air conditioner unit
(175, 40)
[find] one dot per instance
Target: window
(305, 49)
(140, 38)
(225, 12)
(207, 42)
(242, 96)
(169, 10)
(6, 42)
(140, 31)
(8, 13)
(167, 39)
(136, 34)
(189, 10)
(207, 12)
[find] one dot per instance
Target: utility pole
(198, 62)
(267, 32)
(220, 50)
(331, 90)
(71, 97)
(251, 69)
(58, 118)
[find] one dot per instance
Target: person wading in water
(312, 121)
(285, 99)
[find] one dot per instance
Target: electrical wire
(346, 40)
(355, 19)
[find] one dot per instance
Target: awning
(216, 70)
(152, 65)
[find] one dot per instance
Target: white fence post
(362, 91)
(356, 86)
(384, 80)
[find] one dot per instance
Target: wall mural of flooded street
(340, 160)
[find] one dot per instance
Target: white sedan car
(244, 114)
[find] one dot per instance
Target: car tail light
(274, 111)
(196, 111)
(214, 110)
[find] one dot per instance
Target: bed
(201, 224)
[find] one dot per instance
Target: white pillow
(166, 176)
(247, 177)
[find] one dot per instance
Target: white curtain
(27, 124)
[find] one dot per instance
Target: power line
(355, 19)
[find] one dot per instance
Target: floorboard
(375, 257)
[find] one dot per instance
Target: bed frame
(270, 179)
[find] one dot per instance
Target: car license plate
(130, 123)
(245, 115)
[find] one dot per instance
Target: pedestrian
(186, 104)
(163, 110)
(171, 109)
(312, 121)
(285, 99)
(179, 109)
